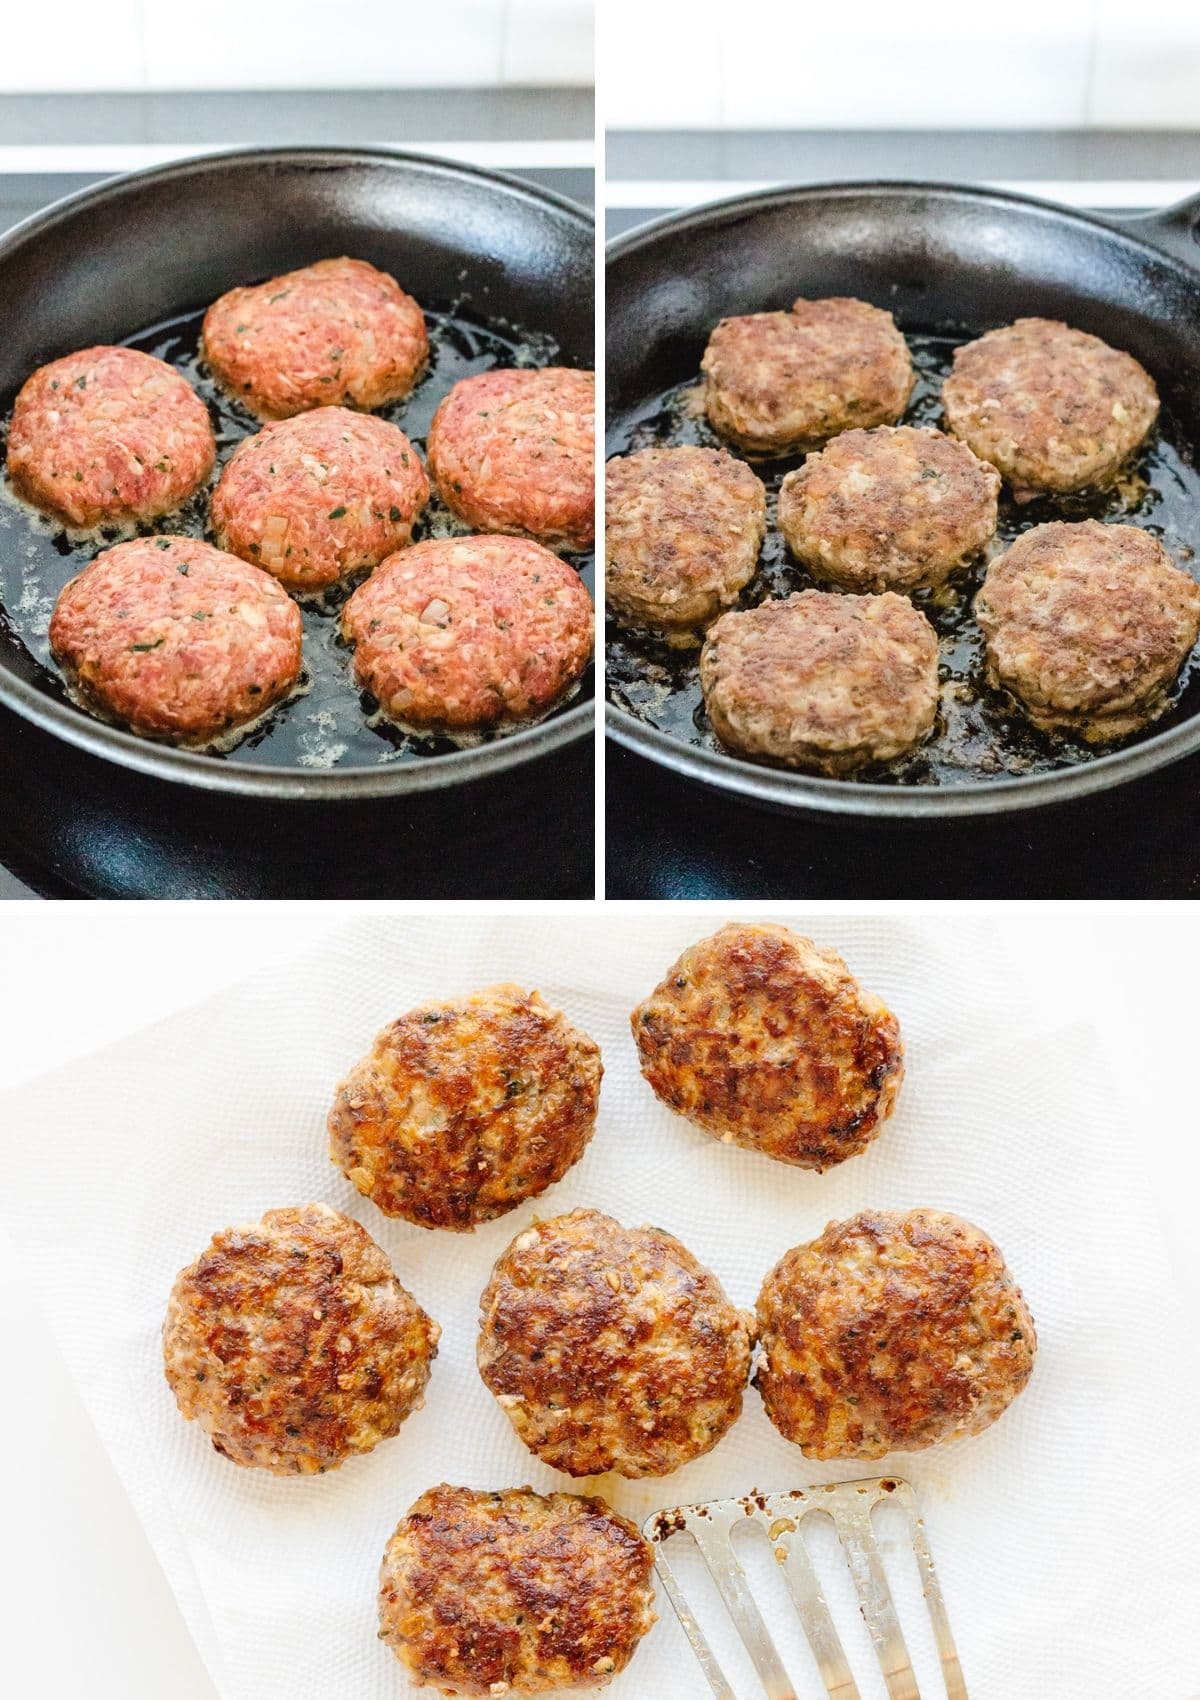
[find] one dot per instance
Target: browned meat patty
(109, 435)
(777, 383)
(172, 638)
(515, 450)
(766, 1040)
(1088, 626)
(320, 497)
(461, 1110)
(514, 1593)
(293, 1345)
(1052, 408)
(896, 508)
(467, 633)
(337, 333)
(822, 682)
(611, 1348)
(682, 530)
(891, 1332)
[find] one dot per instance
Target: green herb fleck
(393, 514)
(142, 648)
(162, 542)
(337, 513)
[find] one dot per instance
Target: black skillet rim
(788, 791)
(162, 761)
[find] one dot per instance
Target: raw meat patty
(109, 435)
(335, 333)
(320, 497)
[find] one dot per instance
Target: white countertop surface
(86, 1609)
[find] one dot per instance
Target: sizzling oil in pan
(328, 722)
(978, 735)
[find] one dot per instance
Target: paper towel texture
(1060, 1534)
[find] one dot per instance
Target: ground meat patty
(461, 1110)
(466, 633)
(176, 640)
(317, 498)
(777, 383)
(766, 1040)
(334, 333)
(515, 450)
(891, 1332)
(1088, 626)
(1052, 408)
(823, 682)
(682, 531)
(611, 1348)
(109, 435)
(293, 1345)
(514, 1593)
(896, 508)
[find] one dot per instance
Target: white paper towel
(1063, 1536)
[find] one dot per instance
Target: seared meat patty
(293, 1344)
(1088, 626)
(682, 531)
(514, 1593)
(822, 682)
(611, 1348)
(1052, 408)
(891, 1332)
(461, 1110)
(897, 508)
(777, 383)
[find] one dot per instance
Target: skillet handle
(1175, 229)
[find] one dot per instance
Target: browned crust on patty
(513, 1592)
(611, 1348)
(766, 1040)
(822, 682)
(1053, 408)
(890, 1332)
(461, 1110)
(896, 508)
(1088, 625)
(293, 1344)
(683, 529)
(777, 383)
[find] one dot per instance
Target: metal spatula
(849, 1504)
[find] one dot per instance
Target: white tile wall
(71, 46)
(244, 44)
(548, 42)
(1147, 64)
(876, 64)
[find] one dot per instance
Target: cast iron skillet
(934, 255)
(144, 248)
